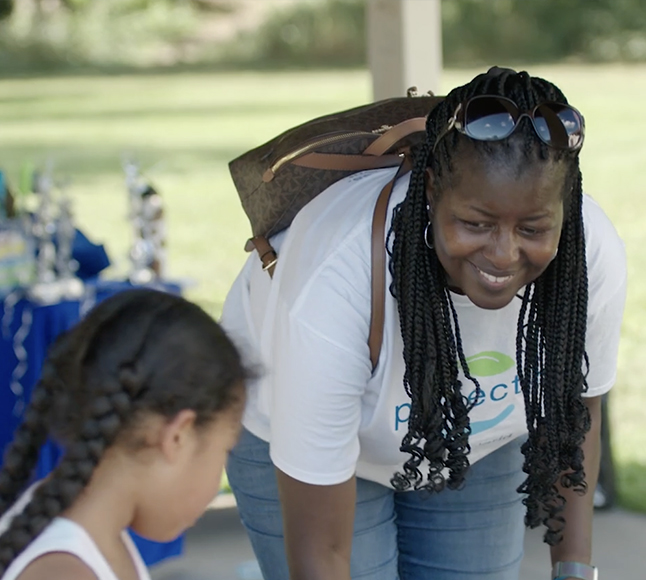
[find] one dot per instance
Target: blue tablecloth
(33, 327)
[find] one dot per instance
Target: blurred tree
(217, 6)
(74, 5)
(476, 31)
(6, 8)
(307, 33)
(212, 6)
(330, 33)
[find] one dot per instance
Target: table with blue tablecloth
(28, 328)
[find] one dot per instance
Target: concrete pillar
(404, 46)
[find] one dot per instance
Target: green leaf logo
(489, 363)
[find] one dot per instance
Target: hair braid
(22, 455)
(70, 477)
(557, 419)
(426, 312)
(550, 331)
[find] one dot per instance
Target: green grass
(188, 126)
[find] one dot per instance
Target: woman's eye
(475, 225)
(529, 231)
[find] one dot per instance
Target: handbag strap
(375, 156)
(266, 253)
(378, 264)
(340, 162)
(395, 134)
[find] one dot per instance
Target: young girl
(146, 396)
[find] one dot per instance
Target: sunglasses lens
(489, 118)
(559, 125)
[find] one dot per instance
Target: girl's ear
(177, 435)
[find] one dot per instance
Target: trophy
(54, 232)
(66, 265)
(148, 250)
(44, 228)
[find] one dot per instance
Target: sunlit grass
(186, 127)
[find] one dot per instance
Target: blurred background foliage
(68, 34)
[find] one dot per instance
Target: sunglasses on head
(492, 118)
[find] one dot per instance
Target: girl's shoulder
(57, 566)
(63, 547)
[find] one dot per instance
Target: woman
(507, 288)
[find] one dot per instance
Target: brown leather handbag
(277, 179)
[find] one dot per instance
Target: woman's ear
(177, 435)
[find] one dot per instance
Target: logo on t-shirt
(494, 392)
(487, 364)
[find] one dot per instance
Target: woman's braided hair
(550, 352)
(137, 353)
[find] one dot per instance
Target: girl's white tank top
(63, 535)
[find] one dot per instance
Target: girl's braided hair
(138, 352)
(550, 351)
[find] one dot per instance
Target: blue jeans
(475, 533)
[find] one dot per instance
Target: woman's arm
(577, 536)
(318, 526)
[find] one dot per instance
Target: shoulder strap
(375, 156)
(378, 264)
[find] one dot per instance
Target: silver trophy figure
(44, 227)
(53, 229)
(148, 250)
(66, 265)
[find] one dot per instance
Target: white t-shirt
(63, 535)
(324, 412)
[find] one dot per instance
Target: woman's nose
(503, 250)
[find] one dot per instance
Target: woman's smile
(494, 281)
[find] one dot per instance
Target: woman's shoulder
(605, 252)
(341, 210)
(57, 566)
(596, 221)
(333, 231)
